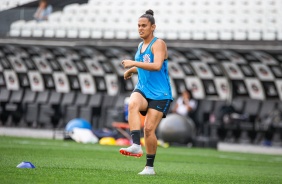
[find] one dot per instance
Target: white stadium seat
(55, 17)
(38, 30)
(15, 29)
(50, 29)
(71, 9)
(28, 28)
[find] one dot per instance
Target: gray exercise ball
(176, 129)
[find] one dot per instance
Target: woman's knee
(148, 130)
(137, 102)
(133, 105)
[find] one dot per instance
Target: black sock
(135, 135)
(150, 160)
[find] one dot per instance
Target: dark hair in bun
(149, 14)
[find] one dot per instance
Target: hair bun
(150, 12)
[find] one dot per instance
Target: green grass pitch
(68, 162)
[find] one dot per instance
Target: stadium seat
(202, 115)
(67, 100)
(217, 128)
(61, 30)
(238, 104)
(279, 35)
(13, 108)
(32, 107)
(72, 31)
(49, 113)
(29, 97)
(38, 30)
(184, 32)
(85, 28)
(115, 113)
(108, 101)
(266, 109)
(15, 29)
(72, 111)
(83, 10)
(4, 99)
(252, 108)
(71, 9)
(28, 28)
(55, 17)
(107, 26)
(92, 111)
(123, 28)
(268, 34)
(96, 32)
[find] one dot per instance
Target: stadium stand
(227, 52)
(195, 20)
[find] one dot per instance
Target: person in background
(185, 104)
(152, 94)
(43, 11)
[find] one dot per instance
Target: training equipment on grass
(176, 129)
(107, 141)
(163, 144)
(142, 141)
(26, 165)
(78, 123)
(123, 142)
(83, 135)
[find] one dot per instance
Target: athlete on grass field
(152, 94)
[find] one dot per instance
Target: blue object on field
(27, 165)
(78, 123)
(126, 112)
(267, 143)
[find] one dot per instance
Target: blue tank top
(154, 84)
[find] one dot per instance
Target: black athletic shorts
(159, 105)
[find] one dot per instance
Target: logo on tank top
(146, 58)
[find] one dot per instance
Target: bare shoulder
(160, 47)
(159, 43)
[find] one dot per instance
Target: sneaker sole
(126, 153)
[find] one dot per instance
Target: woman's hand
(128, 63)
(127, 74)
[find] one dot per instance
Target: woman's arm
(128, 73)
(159, 50)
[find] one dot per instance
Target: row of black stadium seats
(250, 124)
(50, 109)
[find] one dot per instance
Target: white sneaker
(134, 150)
(148, 171)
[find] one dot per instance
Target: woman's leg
(152, 121)
(136, 104)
